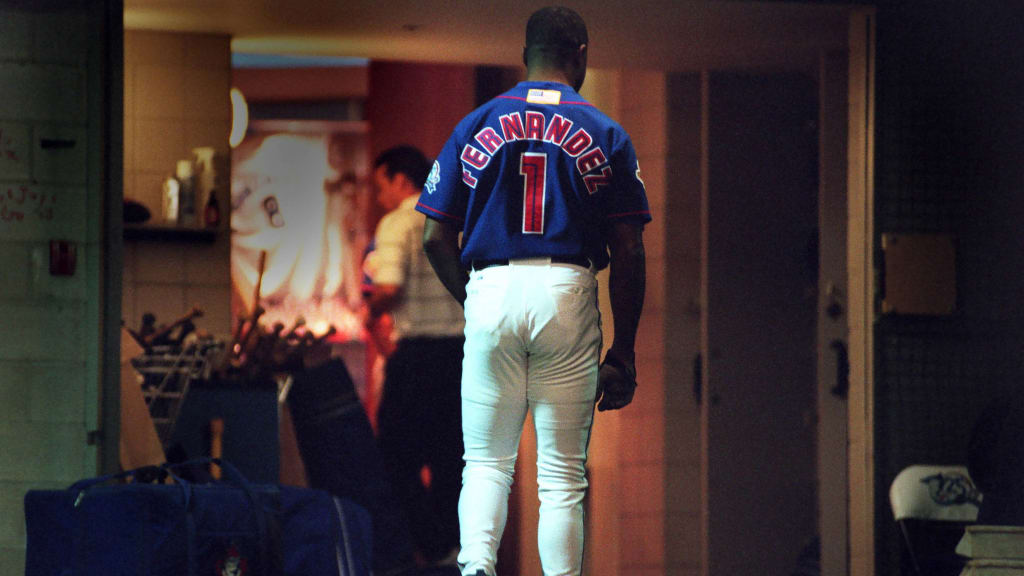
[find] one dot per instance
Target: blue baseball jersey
(537, 171)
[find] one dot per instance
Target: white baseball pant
(533, 340)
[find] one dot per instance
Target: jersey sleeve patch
(433, 178)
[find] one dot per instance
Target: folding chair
(933, 505)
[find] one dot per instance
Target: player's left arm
(627, 212)
(441, 244)
(626, 286)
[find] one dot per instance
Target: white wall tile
(142, 47)
(12, 560)
(207, 264)
(15, 35)
(14, 281)
(54, 331)
(159, 262)
(41, 392)
(64, 447)
(128, 255)
(47, 93)
(166, 301)
(159, 145)
(128, 314)
(128, 134)
(12, 515)
(211, 51)
(57, 393)
(15, 151)
(147, 189)
(213, 133)
(216, 304)
(40, 212)
(160, 92)
(207, 94)
(59, 154)
(15, 396)
(60, 37)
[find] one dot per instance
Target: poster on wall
(299, 198)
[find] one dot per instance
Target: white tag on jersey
(538, 96)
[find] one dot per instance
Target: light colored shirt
(425, 307)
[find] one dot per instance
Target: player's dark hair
(556, 32)
(406, 160)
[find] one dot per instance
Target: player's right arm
(441, 244)
(443, 202)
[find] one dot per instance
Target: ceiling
(645, 34)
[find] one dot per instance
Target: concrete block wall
(642, 111)
(176, 98)
(49, 325)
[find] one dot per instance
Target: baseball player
(545, 190)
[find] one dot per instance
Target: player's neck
(547, 75)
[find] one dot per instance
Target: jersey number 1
(533, 167)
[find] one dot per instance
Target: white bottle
(170, 197)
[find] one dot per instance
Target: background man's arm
(383, 298)
(441, 243)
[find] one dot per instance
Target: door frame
(861, 290)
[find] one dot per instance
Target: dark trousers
(420, 425)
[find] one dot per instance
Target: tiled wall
(643, 113)
(659, 465)
(49, 325)
(176, 98)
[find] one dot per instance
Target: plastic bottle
(211, 214)
(171, 194)
(186, 193)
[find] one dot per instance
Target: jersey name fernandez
(512, 128)
(537, 171)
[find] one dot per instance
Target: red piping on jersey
(524, 100)
(453, 217)
(622, 214)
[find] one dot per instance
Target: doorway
(760, 282)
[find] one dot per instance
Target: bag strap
(87, 483)
(272, 559)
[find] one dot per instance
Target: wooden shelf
(170, 234)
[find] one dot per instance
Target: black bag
(340, 455)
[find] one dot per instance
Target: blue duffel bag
(225, 528)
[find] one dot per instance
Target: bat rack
(167, 373)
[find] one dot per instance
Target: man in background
(419, 419)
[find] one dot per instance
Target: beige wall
(681, 319)
(176, 98)
(642, 507)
